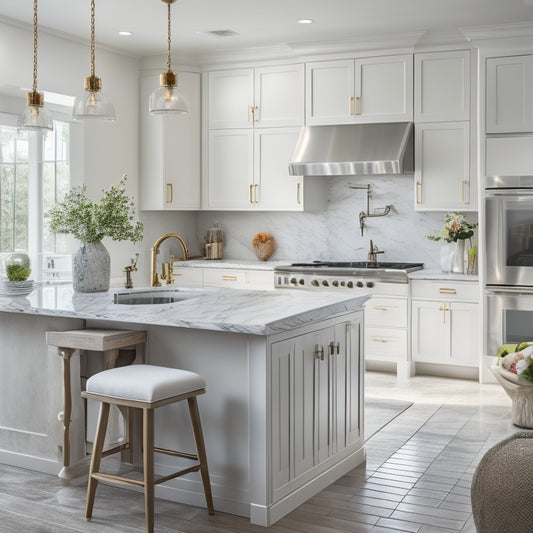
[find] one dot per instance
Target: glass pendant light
(167, 98)
(92, 104)
(35, 117)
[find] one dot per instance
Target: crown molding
(499, 32)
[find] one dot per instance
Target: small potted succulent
(18, 267)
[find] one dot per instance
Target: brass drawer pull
(169, 193)
(351, 106)
(447, 291)
(381, 308)
(379, 340)
(298, 189)
(229, 278)
(251, 192)
(418, 189)
(357, 105)
(256, 201)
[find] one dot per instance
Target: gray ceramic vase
(91, 268)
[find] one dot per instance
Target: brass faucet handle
(155, 281)
(170, 274)
(164, 270)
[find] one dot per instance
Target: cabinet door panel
(273, 152)
(231, 93)
(279, 96)
(354, 399)
(509, 94)
(442, 86)
(430, 332)
(230, 168)
(329, 87)
(339, 355)
(281, 390)
(464, 334)
(385, 344)
(386, 312)
(442, 166)
(385, 88)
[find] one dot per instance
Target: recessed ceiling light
(127, 33)
(305, 21)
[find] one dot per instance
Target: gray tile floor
(416, 478)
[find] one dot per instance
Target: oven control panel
(321, 282)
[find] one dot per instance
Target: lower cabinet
(445, 331)
(316, 402)
(224, 277)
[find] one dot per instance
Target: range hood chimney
(348, 149)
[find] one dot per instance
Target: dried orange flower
(262, 238)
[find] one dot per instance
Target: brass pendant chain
(169, 39)
(92, 38)
(34, 46)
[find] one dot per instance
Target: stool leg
(148, 467)
(200, 448)
(96, 458)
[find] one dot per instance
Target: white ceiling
(259, 23)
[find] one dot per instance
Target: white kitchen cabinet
(249, 169)
(238, 279)
(375, 89)
(445, 330)
(442, 86)
(316, 401)
(188, 277)
(442, 167)
(509, 105)
(261, 97)
(170, 150)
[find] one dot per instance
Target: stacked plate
(16, 288)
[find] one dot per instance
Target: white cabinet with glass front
(170, 149)
(254, 118)
(509, 94)
(445, 322)
(372, 89)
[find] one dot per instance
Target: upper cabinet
(261, 97)
(170, 149)
(442, 86)
(445, 177)
(373, 89)
(509, 94)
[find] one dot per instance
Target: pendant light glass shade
(167, 98)
(35, 117)
(92, 104)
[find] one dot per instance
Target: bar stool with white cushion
(146, 387)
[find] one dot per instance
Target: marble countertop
(232, 264)
(233, 310)
(438, 274)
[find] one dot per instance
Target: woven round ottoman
(520, 390)
(501, 487)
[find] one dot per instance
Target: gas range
(335, 275)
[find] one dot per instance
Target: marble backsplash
(334, 234)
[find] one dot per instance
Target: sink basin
(154, 297)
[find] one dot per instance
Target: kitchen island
(282, 415)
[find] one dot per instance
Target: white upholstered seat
(144, 383)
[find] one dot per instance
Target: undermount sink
(154, 297)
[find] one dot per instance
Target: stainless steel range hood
(347, 149)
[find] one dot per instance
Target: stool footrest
(179, 454)
(116, 449)
(194, 468)
(120, 479)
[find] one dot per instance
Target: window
(34, 175)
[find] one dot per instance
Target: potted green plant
(112, 216)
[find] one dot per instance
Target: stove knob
(301, 282)
(335, 283)
(325, 283)
(314, 283)
(360, 284)
(350, 284)
(370, 284)
(343, 283)
(294, 281)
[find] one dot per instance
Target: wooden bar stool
(146, 387)
(107, 341)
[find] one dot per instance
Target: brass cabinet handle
(379, 340)
(251, 192)
(381, 308)
(338, 348)
(319, 353)
(444, 308)
(418, 188)
(351, 106)
(169, 193)
(298, 190)
(447, 291)
(250, 113)
(229, 278)
(256, 201)
(463, 183)
(357, 105)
